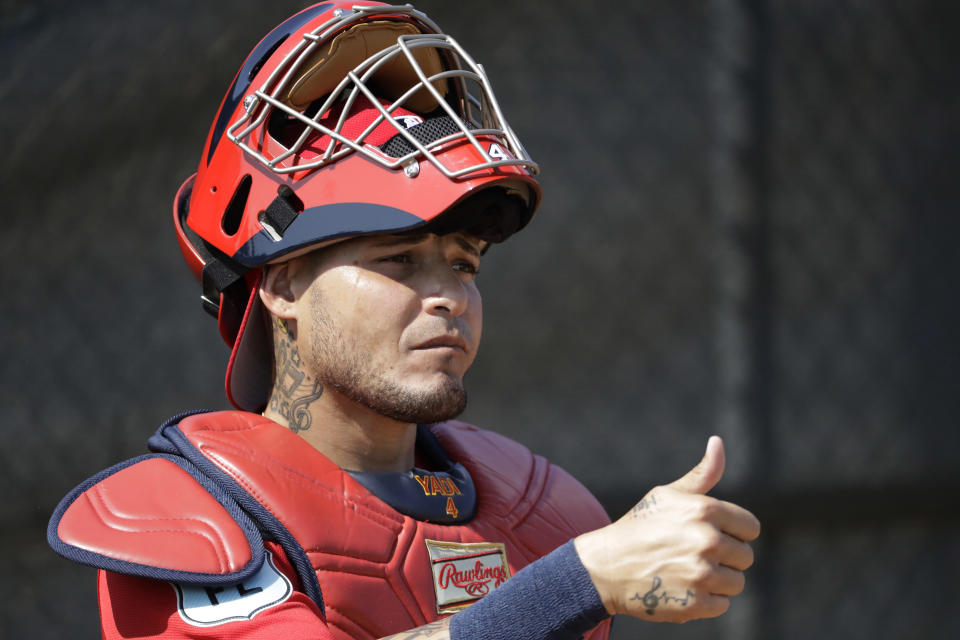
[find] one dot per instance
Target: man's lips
(451, 341)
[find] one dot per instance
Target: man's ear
(277, 291)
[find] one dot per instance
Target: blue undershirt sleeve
(551, 598)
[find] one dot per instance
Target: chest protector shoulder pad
(157, 516)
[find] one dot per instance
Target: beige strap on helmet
(326, 67)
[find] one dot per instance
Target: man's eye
(402, 258)
(467, 267)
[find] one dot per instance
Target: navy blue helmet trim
(326, 222)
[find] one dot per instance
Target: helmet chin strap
(281, 212)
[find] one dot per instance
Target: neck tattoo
(293, 390)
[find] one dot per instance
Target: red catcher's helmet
(347, 119)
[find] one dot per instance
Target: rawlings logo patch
(465, 572)
(211, 606)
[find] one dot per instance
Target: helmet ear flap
(230, 312)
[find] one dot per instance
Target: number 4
(497, 152)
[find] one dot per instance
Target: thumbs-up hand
(705, 476)
(678, 554)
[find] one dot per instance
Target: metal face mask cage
(471, 114)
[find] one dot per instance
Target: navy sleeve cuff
(551, 598)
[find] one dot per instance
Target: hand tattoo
(438, 630)
(643, 508)
(651, 599)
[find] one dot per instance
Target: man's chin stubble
(446, 402)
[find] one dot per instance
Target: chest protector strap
(170, 439)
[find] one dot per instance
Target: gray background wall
(750, 215)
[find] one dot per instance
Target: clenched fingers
(731, 519)
(731, 552)
(724, 581)
(712, 605)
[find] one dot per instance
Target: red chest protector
(378, 573)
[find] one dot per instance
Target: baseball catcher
(356, 172)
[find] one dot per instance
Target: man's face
(393, 323)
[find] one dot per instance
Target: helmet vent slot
(233, 215)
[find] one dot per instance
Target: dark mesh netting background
(748, 229)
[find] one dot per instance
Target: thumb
(708, 471)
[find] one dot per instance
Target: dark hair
(493, 214)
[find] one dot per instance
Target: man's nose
(444, 291)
